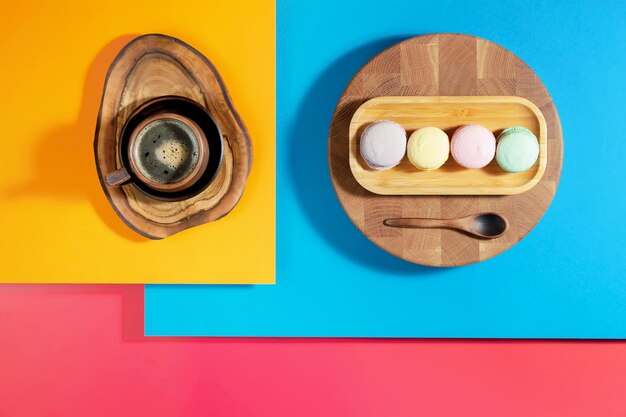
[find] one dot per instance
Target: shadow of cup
(63, 159)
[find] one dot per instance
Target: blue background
(566, 279)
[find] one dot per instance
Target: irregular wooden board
(153, 66)
(442, 65)
(496, 113)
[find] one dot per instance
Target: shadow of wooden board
(153, 66)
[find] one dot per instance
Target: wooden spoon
(484, 225)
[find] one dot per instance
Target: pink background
(80, 351)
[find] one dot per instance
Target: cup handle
(118, 178)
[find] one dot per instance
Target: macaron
(428, 148)
(383, 144)
(473, 146)
(518, 149)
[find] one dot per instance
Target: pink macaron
(473, 146)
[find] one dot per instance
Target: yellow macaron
(428, 148)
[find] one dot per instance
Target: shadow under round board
(442, 65)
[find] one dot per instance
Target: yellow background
(56, 224)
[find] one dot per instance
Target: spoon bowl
(489, 225)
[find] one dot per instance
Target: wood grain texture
(442, 65)
(496, 113)
(153, 66)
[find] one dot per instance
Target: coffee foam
(172, 152)
(166, 150)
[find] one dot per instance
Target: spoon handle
(420, 223)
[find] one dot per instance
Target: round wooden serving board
(442, 65)
(154, 66)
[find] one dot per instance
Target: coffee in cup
(171, 151)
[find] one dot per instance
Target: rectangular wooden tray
(447, 113)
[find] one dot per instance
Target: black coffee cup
(170, 149)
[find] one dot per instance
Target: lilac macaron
(473, 146)
(383, 144)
